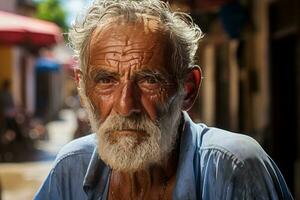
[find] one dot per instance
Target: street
(21, 180)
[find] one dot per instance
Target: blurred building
(250, 67)
(249, 57)
(36, 83)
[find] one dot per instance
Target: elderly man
(136, 78)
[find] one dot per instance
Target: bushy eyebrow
(96, 72)
(147, 72)
(160, 76)
(153, 73)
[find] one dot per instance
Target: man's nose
(127, 102)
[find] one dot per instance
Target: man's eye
(149, 83)
(105, 80)
(151, 80)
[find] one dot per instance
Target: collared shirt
(213, 164)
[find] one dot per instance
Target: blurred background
(250, 58)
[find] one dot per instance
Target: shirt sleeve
(258, 179)
(50, 188)
(227, 177)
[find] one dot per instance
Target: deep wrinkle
(130, 66)
(124, 56)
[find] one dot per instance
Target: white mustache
(134, 122)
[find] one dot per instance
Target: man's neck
(156, 182)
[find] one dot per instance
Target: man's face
(128, 70)
(134, 95)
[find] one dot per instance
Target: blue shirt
(213, 164)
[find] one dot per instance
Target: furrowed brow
(95, 72)
(153, 73)
(148, 72)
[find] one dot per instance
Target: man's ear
(191, 87)
(77, 76)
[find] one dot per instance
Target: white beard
(130, 153)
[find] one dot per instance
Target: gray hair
(184, 34)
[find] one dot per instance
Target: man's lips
(129, 133)
(138, 135)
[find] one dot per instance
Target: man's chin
(128, 143)
(129, 154)
(127, 138)
(127, 164)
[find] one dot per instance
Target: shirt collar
(185, 175)
(95, 179)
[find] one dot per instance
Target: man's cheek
(154, 106)
(103, 107)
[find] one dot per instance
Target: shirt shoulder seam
(237, 161)
(67, 155)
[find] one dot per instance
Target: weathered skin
(128, 73)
